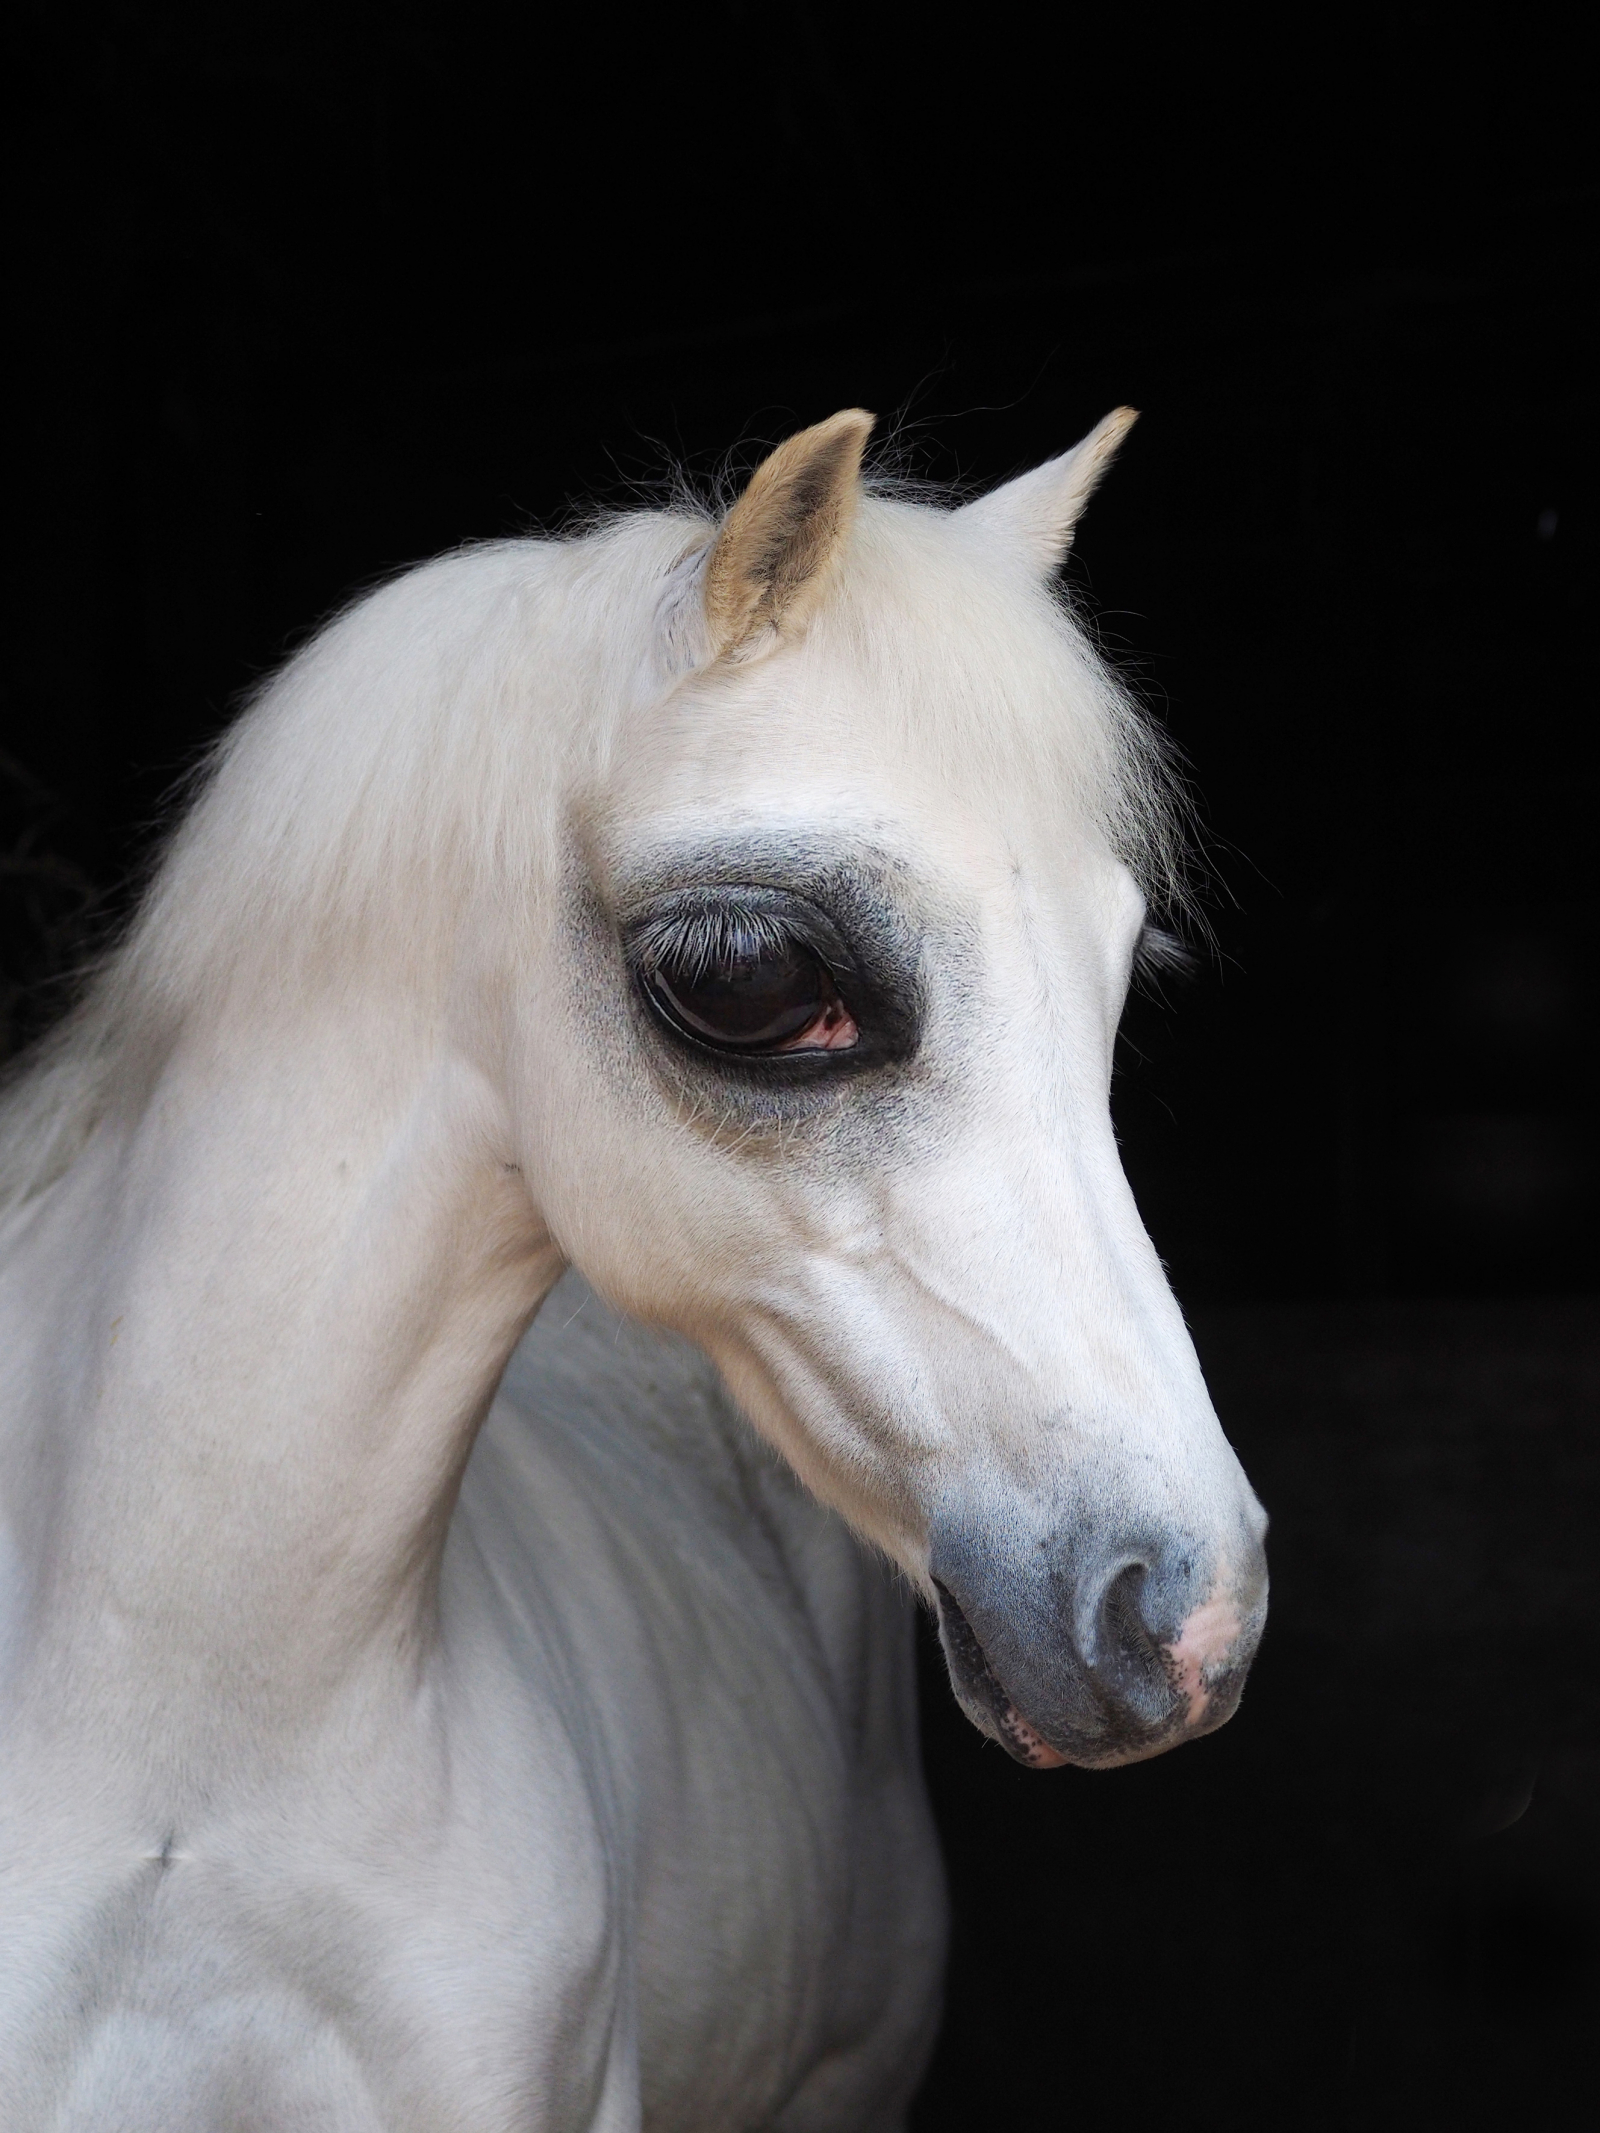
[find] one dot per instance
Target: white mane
(398, 771)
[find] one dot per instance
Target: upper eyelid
(774, 917)
(709, 935)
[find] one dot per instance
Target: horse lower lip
(1027, 1745)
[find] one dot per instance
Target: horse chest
(733, 1675)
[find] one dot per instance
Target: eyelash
(689, 943)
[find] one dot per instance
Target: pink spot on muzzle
(1203, 1645)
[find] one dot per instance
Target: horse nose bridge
(1067, 1274)
(1059, 1230)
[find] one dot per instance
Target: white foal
(740, 915)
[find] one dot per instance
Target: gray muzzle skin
(1097, 1648)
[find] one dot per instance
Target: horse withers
(738, 914)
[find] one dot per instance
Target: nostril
(1123, 1606)
(1127, 1656)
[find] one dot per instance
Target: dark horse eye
(754, 1000)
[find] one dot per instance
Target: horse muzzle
(1098, 1655)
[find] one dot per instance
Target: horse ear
(1038, 512)
(776, 545)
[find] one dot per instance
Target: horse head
(853, 886)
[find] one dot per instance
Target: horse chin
(1026, 1745)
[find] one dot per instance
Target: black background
(301, 294)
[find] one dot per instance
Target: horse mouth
(1108, 1733)
(976, 1683)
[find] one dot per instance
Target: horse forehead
(978, 771)
(943, 711)
(921, 641)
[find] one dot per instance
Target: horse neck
(266, 1312)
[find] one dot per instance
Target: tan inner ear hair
(778, 541)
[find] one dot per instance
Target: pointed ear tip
(838, 438)
(841, 440)
(850, 421)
